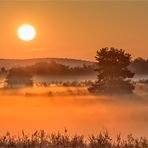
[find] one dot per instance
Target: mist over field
(73, 74)
(54, 108)
(58, 98)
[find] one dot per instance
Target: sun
(26, 32)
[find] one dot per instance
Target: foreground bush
(40, 139)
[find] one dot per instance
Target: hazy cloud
(37, 49)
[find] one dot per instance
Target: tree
(139, 66)
(113, 75)
(3, 70)
(18, 77)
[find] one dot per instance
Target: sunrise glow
(26, 32)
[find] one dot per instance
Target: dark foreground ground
(40, 139)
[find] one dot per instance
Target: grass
(40, 139)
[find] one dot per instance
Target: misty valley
(61, 99)
(73, 74)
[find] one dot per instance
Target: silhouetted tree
(3, 70)
(139, 66)
(56, 69)
(18, 77)
(113, 74)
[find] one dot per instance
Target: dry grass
(40, 139)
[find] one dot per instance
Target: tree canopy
(112, 72)
(18, 77)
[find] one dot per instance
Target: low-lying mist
(54, 108)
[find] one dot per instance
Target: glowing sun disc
(26, 32)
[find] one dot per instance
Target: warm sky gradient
(73, 29)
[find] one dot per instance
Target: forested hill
(9, 63)
(138, 65)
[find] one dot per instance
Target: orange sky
(73, 29)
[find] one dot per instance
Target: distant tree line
(139, 66)
(22, 76)
(53, 69)
(114, 69)
(73, 83)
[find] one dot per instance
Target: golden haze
(77, 27)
